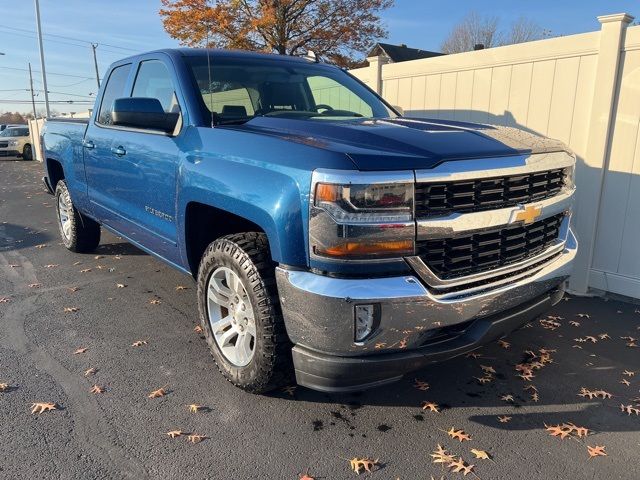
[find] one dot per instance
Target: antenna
(208, 25)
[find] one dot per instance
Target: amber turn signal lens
(327, 193)
(355, 249)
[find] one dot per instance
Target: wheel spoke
(218, 293)
(232, 281)
(243, 347)
(251, 328)
(66, 227)
(224, 338)
(221, 325)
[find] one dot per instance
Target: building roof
(401, 53)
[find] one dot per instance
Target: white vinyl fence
(581, 89)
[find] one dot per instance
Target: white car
(15, 142)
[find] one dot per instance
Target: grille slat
(444, 198)
(479, 252)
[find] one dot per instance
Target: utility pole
(95, 62)
(33, 101)
(44, 73)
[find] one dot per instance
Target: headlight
(361, 215)
(13, 143)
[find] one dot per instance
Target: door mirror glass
(143, 113)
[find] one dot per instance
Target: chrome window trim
(457, 224)
(474, 169)
(435, 282)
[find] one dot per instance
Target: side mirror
(144, 113)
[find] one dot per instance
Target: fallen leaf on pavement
(420, 385)
(459, 466)
(155, 301)
(584, 392)
(507, 398)
(504, 419)
(175, 433)
(97, 389)
(561, 431)
(196, 438)
(41, 407)
(440, 455)
(4, 387)
(458, 435)
(138, 343)
(504, 344)
(80, 350)
(89, 372)
(161, 392)
(481, 454)
(197, 329)
(359, 465)
(120, 285)
(193, 408)
(628, 409)
(181, 287)
(597, 451)
(34, 285)
(70, 309)
(432, 407)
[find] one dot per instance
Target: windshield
(242, 88)
(15, 132)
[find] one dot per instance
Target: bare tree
(475, 29)
(523, 30)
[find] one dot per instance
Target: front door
(132, 172)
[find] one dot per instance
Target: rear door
(135, 178)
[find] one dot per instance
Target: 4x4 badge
(528, 214)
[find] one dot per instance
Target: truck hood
(404, 143)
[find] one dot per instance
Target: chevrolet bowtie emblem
(528, 214)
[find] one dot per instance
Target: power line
(106, 50)
(48, 73)
(68, 38)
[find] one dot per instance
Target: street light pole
(33, 100)
(44, 74)
(95, 62)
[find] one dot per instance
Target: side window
(154, 81)
(114, 89)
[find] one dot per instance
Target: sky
(124, 27)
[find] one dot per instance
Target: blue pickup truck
(333, 241)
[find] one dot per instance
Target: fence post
(591, 177)
(375, 66)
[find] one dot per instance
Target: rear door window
(114, 89)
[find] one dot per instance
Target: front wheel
(27, 152)
(240, 313)
(79, 233)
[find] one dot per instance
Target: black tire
(247, 254)
(84, 233)
(27, 152)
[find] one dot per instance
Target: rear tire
(79, 233)
(245, 260)
(27, 152)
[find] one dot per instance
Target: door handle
(88, 144)
(119, 151)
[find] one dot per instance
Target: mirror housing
(144, 113)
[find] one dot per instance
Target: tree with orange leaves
(339, 30)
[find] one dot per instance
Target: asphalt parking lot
(55, 304)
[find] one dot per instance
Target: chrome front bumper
(319, 310)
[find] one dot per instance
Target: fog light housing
(366, 321)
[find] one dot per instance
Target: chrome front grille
(475, 195)
(4, 144)
(486, 250)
